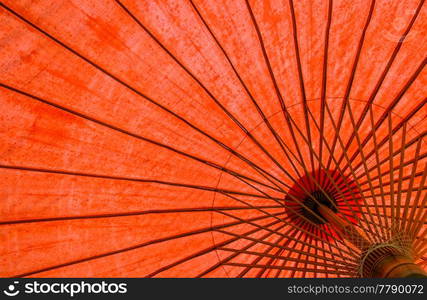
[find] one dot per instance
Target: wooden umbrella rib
(267, 271)
(352, 75)
(286, 222)
(345, 261)
(396, 168)
(411, 185)
(292, 244)
(131, 213)
(423, 251)
(341, 251)
(347, 273)
(133, 179)
(324, 77)
(137, 92)
(316, 260)
(347, 158)
(420, 247)
(289, 244)
(278, 252)
(228, 113)
(307, 261)
(388, 205)
(308, 173)
(251, 206)
(258, 258)
(421, 243)
(332, 180)
(324, 252)
(390, 108)
(228, 258)
(314, 180)
(338, 189)
(266, 196)
(387, 228)
(301, 77)
(386, 70)
(333, 158)
(290, 231)
(299, 214)
(265, 234)
(392, 206)
(138, 246)
(302, 165)
(302, 187)
(260, 112)
(400, 181)
(268, 250)
(384, 231)
(404, 178)
(405, 164)
(385, 140)
(415, 218)
(298, 260)
(277, 90)
(287, 259)
(138, 137)
(323, 246)
(345, 211)
(377, 234)
(397, 152)
(418, 174)
(207, 250)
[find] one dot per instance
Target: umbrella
(213, 138)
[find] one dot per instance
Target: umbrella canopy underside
(179, 138)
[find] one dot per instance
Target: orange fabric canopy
(160, 138)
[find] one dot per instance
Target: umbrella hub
(378, 260)
(388, 261)
(322, 188)
(311, 204)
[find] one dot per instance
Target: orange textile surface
(161, 138)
